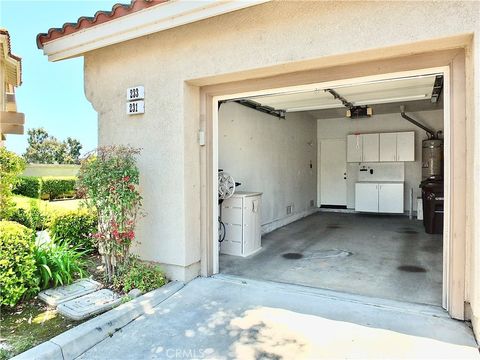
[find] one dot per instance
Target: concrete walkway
(227, 318)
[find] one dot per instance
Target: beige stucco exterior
(264, 40)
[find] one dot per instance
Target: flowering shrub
(109, 178)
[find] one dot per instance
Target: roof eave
(147, 21)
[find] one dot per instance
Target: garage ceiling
(413, 89)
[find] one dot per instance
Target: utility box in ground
(241, 216)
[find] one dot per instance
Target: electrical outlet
(289, 209)
(312, 203)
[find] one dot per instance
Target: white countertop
(246, 193)
(379, 182)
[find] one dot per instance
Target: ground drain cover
(292, 256)
(412, 268)
(326, 254)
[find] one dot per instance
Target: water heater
(432, 159)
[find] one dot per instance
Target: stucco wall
(341, 127)
(255, 38)
(272, 156)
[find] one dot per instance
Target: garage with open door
(336, 186)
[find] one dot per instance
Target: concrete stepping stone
(89, 305)
(61, 294)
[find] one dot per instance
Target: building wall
(51, 170)
(272, 156)
(341, 127)
(254, 42)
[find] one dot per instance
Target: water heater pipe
(415, 122)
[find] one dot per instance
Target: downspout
(432, 134)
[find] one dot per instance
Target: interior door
(333, 172)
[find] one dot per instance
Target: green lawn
(24, 202)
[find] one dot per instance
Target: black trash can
(432, 199)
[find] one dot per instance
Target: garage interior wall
(273, 156)
(339, 128)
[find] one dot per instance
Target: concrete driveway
(230, 318)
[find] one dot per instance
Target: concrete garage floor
(384, 256)
(219, 318)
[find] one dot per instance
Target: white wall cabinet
(354, 148)
(384, 147)
(370, 151)
(366, 197)
(406, 146)
(388, 147)
(363, 148)
(390, 198)
(379, 197)
(241, 216)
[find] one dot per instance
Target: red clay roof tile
(100, 17)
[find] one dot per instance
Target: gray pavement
(230, 318)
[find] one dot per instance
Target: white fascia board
(151, 20)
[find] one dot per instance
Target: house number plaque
(135, 102)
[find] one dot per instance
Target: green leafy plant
(11, 166)
(17, 263)
(30, 186)
(110, 178)
(74, 227)
(57, 187)
(138, 275)
(46, 187)
(34, 217)
(59, 264)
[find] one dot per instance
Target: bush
(58, 264)
(138, 275)
(57, 187)
(74, 227)
(34, 218)
(30, 186)
(17, 263)
(110, 179)
(11, 166)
